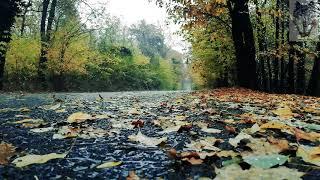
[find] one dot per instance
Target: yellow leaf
(309, 154)
(284, 112)
(36, 159)
(277, 125)
(79, 117)
(134, 111)
(109, 165)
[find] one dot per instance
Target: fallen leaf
(309, 154)
(170, 129)
(132, 176)
(61, 111)
(42, 130)
(30, 123)
(66, 132)
(148, 141)
(193, 161)
(277, 125)
(6, 152)
(203, 144)
(138, 124)
(265, 161)
(134, 111)
(234, 141)
(55, 107)
(109, 165)
(235, 172)
(79, 117)
(172, 153)
(186, 128)
(231, 129)
(284, 112)
(36, 159)
(211, 130)
(306, 136)
(261, 147)
(204, 128)
(282, 144)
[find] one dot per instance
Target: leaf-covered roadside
(224, 133)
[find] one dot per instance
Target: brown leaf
(193, 161)
(231, 129)
(6, 152)
(282, 144)
(185, 128)
(132, 176)
(172, 153)
(138, 124)
(306, 136)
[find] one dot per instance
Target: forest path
(173, 135)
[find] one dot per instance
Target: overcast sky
(132, 11)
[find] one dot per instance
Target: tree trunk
(8, 11)
(314, 83)
(282, 65)
(263, 48)
(290, 78)
(44, 45)
(275, 82)
(24, 17)
(45, 32)
(301, 73)
(242, 34)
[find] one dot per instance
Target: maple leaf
(138, 124)
(6, 152)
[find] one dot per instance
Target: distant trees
(69, 45)
(8, 11)
(150, 40)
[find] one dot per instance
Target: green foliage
(150, 40)
(22, 58)
(108, 58)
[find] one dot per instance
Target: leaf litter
(223, 134)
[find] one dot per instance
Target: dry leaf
(278, 125)
(306, 136)
(284, 112)
(79, 117)
(231, 129)
(109, 165)
(148, 141)
(36, 159)
(193, 161)
(282, 144)
(6, 152)
(235, 172)
(42, 130)
(309, 154)
(203, 144)
(134, 111)
(132, 176)
(31, 123)
(234, 141)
